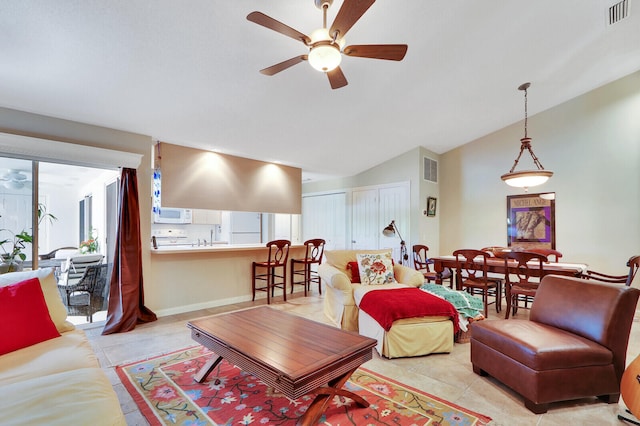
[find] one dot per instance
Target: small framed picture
(431, 206)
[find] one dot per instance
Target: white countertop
(188, 248)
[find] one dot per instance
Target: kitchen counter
(185, 278)
(215, 248)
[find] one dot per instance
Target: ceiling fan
(327, 45)
(14, 179)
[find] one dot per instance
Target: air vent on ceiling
(430, 170)
(618, 12)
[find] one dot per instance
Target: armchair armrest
(408, 276)
(333, 277)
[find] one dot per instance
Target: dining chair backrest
(471, 264)
(420, 259)
(633, 264)
(550, 253)
(522, 264)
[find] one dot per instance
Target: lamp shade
(526, 178)
(389, 230)
(325, 57)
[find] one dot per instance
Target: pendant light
(527, 178)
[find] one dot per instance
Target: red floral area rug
(166, 393)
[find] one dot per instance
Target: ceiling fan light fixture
(325, 57)
(324, 54)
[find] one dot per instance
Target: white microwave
(172, 215)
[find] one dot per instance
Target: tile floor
(447, 375)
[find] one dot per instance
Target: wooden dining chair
(421, 263)
(633, 264)
(522, 264)
(275, 270)
(472, 276)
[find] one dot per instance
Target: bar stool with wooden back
(525, 285)
(314, 250)
(278, 256)
(471, 275)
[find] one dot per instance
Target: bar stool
(278, 255)
(313, 255)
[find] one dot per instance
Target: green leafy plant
(43, 214)
(16, 243)
(13, 245)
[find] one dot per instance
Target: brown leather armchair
(573, 345)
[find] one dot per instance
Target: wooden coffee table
(295, 355)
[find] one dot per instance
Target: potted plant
(12, 256)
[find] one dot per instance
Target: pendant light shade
(527, 178)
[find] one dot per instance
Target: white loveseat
(57, 381)
(339, 304)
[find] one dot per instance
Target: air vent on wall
(430, 170)
(618, 12)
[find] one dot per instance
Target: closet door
(365, 225)
(373, 208)
(394, 205)
(324, 216)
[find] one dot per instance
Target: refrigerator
(245, 228)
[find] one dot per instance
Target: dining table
(497, 266)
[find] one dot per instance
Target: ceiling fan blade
(348, 15)
(337, 78)
(274, 69)
(268, 22)
(391, 52)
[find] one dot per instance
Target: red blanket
(386, 306)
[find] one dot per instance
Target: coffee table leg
(207, 368)
(325, 395)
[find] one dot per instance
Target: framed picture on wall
(531, 221)
(431, 206)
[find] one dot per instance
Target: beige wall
(591, 143)
(406, 167)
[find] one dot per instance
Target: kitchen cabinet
(206, 217)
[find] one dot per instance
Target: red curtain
(126, 295)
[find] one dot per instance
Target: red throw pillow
(355, 272)
(24, 316)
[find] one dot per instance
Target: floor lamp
(391, 231)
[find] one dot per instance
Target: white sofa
(57, 381)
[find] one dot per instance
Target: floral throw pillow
(375, 268)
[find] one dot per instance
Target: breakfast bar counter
(215, 248)
(185, 278)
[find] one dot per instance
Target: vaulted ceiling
(187, 72)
